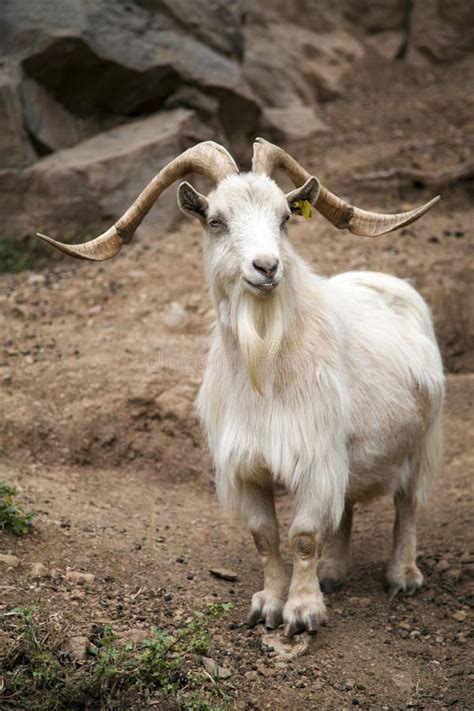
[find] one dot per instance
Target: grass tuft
(12, 516)
(162, 672)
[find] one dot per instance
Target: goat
(332, 387)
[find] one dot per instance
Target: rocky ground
(100, 366)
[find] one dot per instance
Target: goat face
(245, 220)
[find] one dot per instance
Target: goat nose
(266, 265)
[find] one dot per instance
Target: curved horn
(207, 158)
(267, 158)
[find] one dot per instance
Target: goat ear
(191, 202)
(308, 192)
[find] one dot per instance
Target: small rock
(175, 317)
(224, 574)
(77, 594)
(39, 570)
(403, 681)
(214, 669)
(76, 647)
(5, 641)
(443, 565)
(135, 634)
(36, 278)
(75, 576)
(459, 615)
(363, 601)
(11, 561)
(94, 310)
(267, 672)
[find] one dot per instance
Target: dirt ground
(99, 432)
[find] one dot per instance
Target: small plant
(39, 676)
(12, 259)
(12, 516)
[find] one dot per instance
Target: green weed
(115, 676)
(12, 516)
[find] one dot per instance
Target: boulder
(288, 64)
(441, 31)
(49, 124)
(15, 147)
(422, 31)
(291, 125)
(122, 58)
(76, 190)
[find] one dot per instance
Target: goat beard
(258, 326)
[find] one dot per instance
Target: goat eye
(285, 220)
(216, 223)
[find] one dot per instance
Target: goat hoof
(406, 583)
(254, 618)
(273, 620)
(304, 614)
(266, 608)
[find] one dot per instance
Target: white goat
(331, 387)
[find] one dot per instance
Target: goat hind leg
(334, 561)
(258, 507)
(403, 574)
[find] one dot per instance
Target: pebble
(224, 574)
(265, 671)
(213, 668)
(175, 317)
(443, 565)
(75, 576)
(459, 615)
(403, 681)
(39, 570)
(76, 647)
(77, 594)
(11, 561)
(36, 278)
(362, 601)
(135, 634)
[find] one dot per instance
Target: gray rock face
(50, 126)
(122, 58)
(95, 95)
(15, 147)
(79, 189)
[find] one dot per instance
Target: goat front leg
(403, 574)
(305, 608)
(258, 507)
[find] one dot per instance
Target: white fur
(331, 387)
(349, 371)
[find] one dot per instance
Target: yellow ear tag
(303, 207)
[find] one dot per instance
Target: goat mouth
(264, 287)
